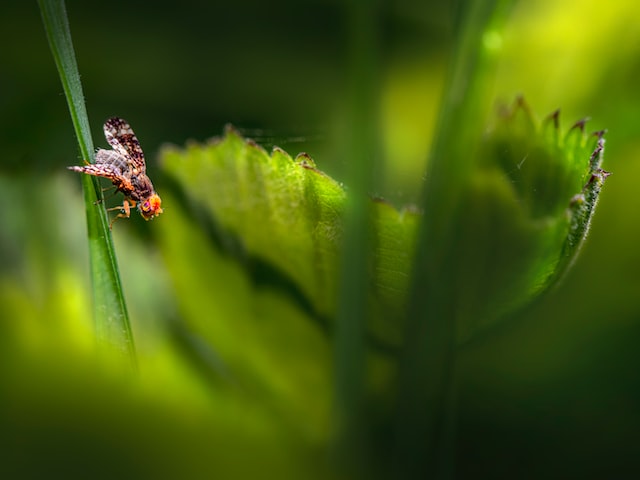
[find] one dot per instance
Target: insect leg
(115, 192)
(125, 211)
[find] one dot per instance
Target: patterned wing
(116, 162)
(121, 137)
(106, 170)
(99, 170)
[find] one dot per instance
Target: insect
(126, 168)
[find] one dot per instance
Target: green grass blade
(353, 299)
(110, 311)
(427, 371)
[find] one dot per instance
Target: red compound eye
(151, 207)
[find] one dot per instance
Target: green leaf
(525, 213)
(253, 242)
(522, 217)
(285, 216)
(519, 221)
(110, 311)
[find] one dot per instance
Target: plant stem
(110, 310)
(361, 149)
(426, 404)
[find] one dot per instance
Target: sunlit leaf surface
(284, 216)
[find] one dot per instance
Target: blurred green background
(554, 393)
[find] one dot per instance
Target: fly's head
(150, 207)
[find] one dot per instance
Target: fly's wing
(119, 164)
(100, 170)
(121, 137)
(110, 171)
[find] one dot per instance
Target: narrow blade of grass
(353, 303)
(426, 403)
(110, 310)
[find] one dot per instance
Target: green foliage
(247, 294)
(528, 206)
(286, 216)
(525, 213)
(521, 219)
